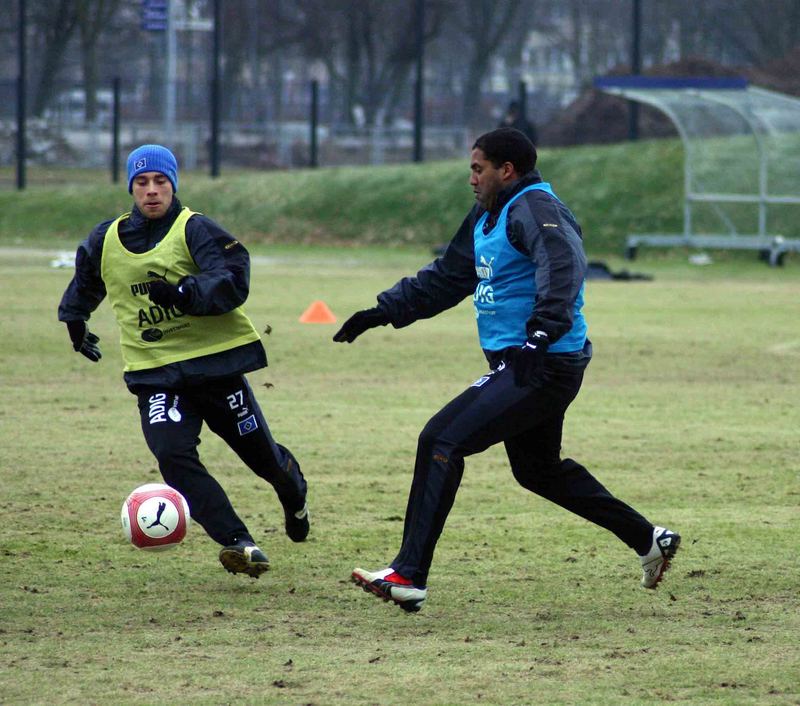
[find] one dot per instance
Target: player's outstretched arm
(360, 322)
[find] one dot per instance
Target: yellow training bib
(151, 335)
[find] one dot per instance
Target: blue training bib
(506, 293)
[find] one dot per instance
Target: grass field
(689, 412)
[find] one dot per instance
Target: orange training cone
(318, 313)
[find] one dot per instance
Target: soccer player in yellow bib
(176, 282)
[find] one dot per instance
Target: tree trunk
(56, 26)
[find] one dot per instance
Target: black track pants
(171, 422)
(529, 421)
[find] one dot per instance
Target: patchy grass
(689, 412)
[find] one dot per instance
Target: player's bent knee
(535, 474)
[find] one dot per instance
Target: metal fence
(258, 132)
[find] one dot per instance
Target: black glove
(358, 323)
(163, 293)
(83, 340)
(528, 361)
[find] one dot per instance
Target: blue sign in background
(155, 15)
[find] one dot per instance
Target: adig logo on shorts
(158, 407)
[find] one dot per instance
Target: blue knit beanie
(152, 158)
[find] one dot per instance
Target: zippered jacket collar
(505, 195)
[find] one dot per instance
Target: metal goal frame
(766, 126)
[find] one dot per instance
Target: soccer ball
(155, 516)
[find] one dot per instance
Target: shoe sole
(408, 606)
(668, 557)
(235, 563)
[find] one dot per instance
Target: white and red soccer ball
(155, 516)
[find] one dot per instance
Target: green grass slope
(613, 190)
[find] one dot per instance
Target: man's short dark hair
(507, 144)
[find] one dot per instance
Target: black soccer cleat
(297, 523)
(244, 557)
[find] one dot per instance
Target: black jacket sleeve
(439, 285)
(223, 282)
(86, 290)
(545, 230)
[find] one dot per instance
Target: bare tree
(53, 23)
(367, 47)
(759, 29)
(93, 17)
(597, 36)
(482, 25)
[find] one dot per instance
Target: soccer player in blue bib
(519, 253)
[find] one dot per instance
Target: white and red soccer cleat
(657, 560)
(391, 586)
